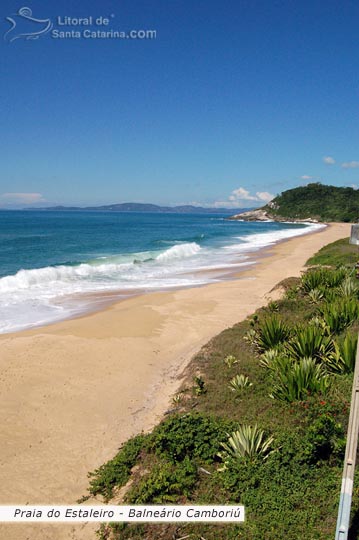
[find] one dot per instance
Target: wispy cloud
(22, 198)
(328, 160)
(241, 196)
(264, 196)
(306, 177)
(350, 164)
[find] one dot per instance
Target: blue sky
(232, 102)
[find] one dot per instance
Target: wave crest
(180, 251)
(26, 279)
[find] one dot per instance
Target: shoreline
(73, 391)
(79, 304)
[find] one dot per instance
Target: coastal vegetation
(317, 201)
(339, 253)
(314, 202)
(260, 421)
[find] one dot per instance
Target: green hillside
(317, 201)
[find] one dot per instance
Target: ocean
(56, 265)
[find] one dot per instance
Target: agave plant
(323, 277)
(341, 314)
(333, 318)
(320, 323)
(250, 336)
(230, 360)
(246, 443)
(271, 333)
(294, 380)
(177, 398)
(310, 342)
(313, 279)
(315, 296)
(330, 295)
(238, 383)
(273, 306)
(291, 293)
(342, 360)
(335, 277)
(348, 288)
(268, 357)
(200, 385)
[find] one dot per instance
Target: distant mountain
(314, 202)
(142, 207)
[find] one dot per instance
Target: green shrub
(193, 435)
(293, 381)
(297, 499)
(165, 483)
(199, 385)
(116, 472)
(271, 333)
(324, 439)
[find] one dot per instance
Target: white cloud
(264, 196)
(22, 198)
(350, 165)
(241, 193)
(354, 186)
(328, 160)
(240, 196)
(306, 177)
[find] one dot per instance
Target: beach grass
(336, 254)
(291, 490)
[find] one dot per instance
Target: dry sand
(73, 391)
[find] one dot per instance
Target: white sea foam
(40, 296)
(253, 242)
(180, 251)
(40, 277)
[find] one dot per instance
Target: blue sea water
(53, 264)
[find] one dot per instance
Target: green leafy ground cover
(274, 441)
(336, 254)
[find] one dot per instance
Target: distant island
(314, 202)
(142, 207)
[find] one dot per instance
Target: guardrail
(345, 502)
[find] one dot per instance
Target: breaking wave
(180, 251)
(40, 277)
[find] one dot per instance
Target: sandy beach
(73, 391)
